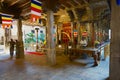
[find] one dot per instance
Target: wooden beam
(6, 14)
(80, 2)
(13, 3)
(70, 4)
(82, 6)
(67, 5)
(62, 6)
(76, 1)
(26, 9)
(86, 2)
(25, 13)
(25, 4)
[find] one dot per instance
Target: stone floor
(35, 67)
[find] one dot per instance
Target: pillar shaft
(57, 37)
(93, 35)
(115, 42)
(50, 39)
(72, 36)
(78, 28)
(20, 39)
(37, 29)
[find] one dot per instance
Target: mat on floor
(36, 53)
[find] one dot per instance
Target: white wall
(25, 28)
(1, 32)
(14, 30)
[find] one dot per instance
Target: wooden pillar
(115, 42)
(72, 36)
(20, 38)
(56, 34)
(46, 34)
(51, 55)
(60, 33)
(78, 28)
(37, 29)
(100, 31)
(93, 35)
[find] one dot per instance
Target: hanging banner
(36, 10)
(6, 21)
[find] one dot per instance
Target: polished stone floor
(36, 67)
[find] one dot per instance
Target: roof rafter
(14, 2)
(25, 4)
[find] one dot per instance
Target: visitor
(83, 44)
(17, 48)
(12, 43)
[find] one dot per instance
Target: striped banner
(6, 21)
(36, 10)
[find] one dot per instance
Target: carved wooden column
(93, 35)
(56, 34)
(51, 55)
(115, 42)
(72, 36)
(78, 29)
(60, 32)
(37, 29)
(20, 39)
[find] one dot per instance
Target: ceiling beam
(13, 3)
(67, 5)
(26, 9)
(86, 2)
(25, 13)
(81, 2)
(82, 6)
(71, 4)
(76, 1)
(25, 4)
(62, 6)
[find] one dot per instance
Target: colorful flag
(6, 21)
(35, 10)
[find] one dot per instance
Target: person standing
(12, 43)
(83, 42)
(17, 49)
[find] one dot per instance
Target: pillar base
(51, 56)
